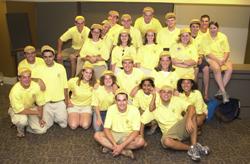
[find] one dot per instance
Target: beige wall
(7, 62)
(233, 21)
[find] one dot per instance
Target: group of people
(123, 79)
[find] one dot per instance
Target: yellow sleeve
(40, 99)
(147, 117)
(104, 51)
(95, 101)
(85, 47)
(64, 77)
(225, 44)
(136, 124)
(200, 105)
(16, 100)
(108, 119)
(67, 35)
(136, 100)
(115, 56)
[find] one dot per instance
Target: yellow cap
(166, 88)
(126, 16)
(147, 77)
(188, 77)
(170, 15)
(113, 12)
(107, 72)
(164, 53)
(87, 65)
(96, 26)
(23, 70)
(124, 31)
(150, 30)
(79, 17)
(120, 91)
(47, 48)
(127, 57)
(185, 30)
(148, 9)
(29, 48)
(195, 21)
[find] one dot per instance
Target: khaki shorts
(119, 136)
(177, 131)
(68, 51)
(80, 109)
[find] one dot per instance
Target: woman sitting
(79, 104)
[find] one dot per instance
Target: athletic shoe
(194, 153)
(203, 150)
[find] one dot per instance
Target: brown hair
(92, 81)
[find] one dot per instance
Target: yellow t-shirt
(217, 46)
(195, 99)
(119, 51)
(135, 36)
(21, 98)
(24, 63)
(126, 122)
(148, 55)
(128, 82)
(166, 116)
(55, 79)
(113, 31)
(143, 27)
(167, 38)
(102, 98)
(197, 42)
(178, 51)
(162, 78)
(82, 94)
(141, 100)
(91, 48)
(203, 33)
(78, 38)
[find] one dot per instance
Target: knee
(140, 142)
(97, 136)
(73, 125)
(41, 131)
(216, 69)
(62, 124)
(168, 142)
(22, 122)
(85, 125)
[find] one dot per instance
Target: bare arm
(66, 95)
(59, 50)
(109, 135)
(152, 105)
(191, 113)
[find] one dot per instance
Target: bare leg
(175, 144)
(200, 119)
(206, 81)
(72, 59)
(228, 73)
(73, 120)
(193, 135)
(85, 120)
(217, 74)
(101, 138)
(136, 143)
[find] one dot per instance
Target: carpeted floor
(229, 143)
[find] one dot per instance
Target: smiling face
(95, 33)
(128, 66)
(194, 28)
(126, 23)
(150, 36)
(30, 56)
(171, 22)
(186, 85)
(87, 74)
(108, 81)
(79, 24)
(148, 15)
(121, 102)
(213, 30)
(185, 38)
(204, 22)
(166, 95)
(48, 57)
(25, 79)
(147, 87)
(165, 62)
(124, 37)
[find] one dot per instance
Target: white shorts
(80, 109)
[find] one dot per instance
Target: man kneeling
(26, 104)
(121, 127)
(177, 121)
